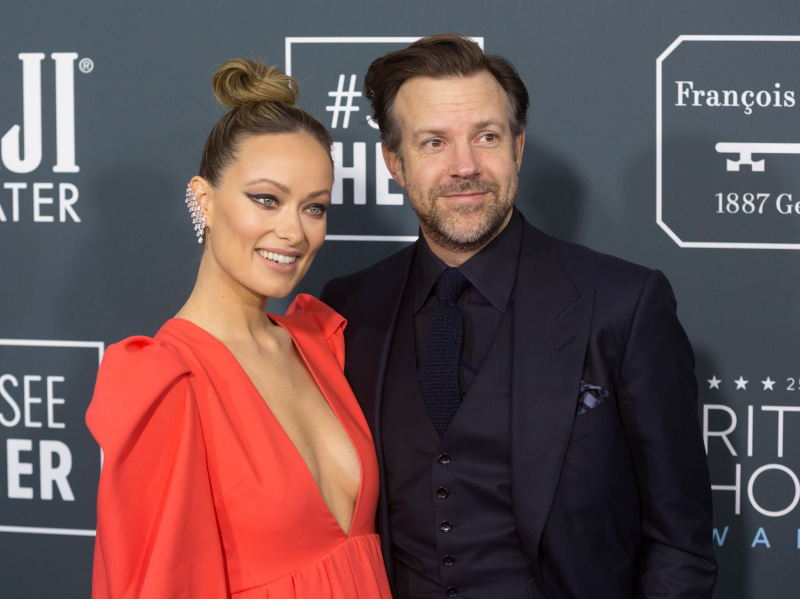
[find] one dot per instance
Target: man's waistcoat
(450, 513)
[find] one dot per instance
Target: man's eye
(489, 137)
(434, 143)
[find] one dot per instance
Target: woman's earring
(198, 218)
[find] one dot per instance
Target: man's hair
(438, 56)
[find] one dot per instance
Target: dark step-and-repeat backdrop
(664, 132)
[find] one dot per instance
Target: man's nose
(464, 161)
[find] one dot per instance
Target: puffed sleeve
(157, 532)
(329, 322)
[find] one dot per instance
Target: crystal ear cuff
(198, 218)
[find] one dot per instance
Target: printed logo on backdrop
(367, 204)
(750, 429)
(51, 462)
(728, 142)
(37, 186)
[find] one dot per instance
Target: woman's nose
(290, 228)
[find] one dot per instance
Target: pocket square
(590, 397)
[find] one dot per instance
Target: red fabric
(203, 494)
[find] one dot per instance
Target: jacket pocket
(600, 417)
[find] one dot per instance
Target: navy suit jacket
(615, 502)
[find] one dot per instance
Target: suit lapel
(552, 322)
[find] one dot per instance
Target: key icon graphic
(746, 151)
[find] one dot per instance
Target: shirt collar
(492, 271)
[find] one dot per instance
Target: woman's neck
(223, 307)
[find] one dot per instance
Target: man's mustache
(466, 186)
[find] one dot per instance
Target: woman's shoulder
(135, 376)
(140, 359)
(308, 317)
(307, 309)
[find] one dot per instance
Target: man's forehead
(477, 99)
(474, 88)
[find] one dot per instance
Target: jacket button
(445, 526)
(452, 592)
(448, 561)
(442, 493)
(444, 459)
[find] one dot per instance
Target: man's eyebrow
(438, 132)
(441, 132)
(280, 186)
(485, 124)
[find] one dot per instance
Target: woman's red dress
(203, 494)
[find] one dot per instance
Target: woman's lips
(278, 261)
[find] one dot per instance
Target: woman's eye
(264, 199)
(317, 209)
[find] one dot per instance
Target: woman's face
(267, 218)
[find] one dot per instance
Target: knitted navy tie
(438, 373)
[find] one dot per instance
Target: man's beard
(442, 227)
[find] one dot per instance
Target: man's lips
(465, 197)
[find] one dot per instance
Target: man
(533, 403)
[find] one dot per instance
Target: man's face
(458, 160)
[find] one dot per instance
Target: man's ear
(205, 197)
(393, 164)
(519, 146)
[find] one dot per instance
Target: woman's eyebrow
(280, 186)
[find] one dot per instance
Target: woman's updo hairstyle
(262, 101)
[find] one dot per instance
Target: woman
(237, 461)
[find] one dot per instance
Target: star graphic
(741, 383)
(768, 383)
(714, 382)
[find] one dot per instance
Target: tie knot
(450, 285)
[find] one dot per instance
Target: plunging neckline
(276, 321)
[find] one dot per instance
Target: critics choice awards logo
(369, 204)
(728, 142)
(51, 462)
(750, 427)
(31, 127)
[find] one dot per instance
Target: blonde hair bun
(241, 82)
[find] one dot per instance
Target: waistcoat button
(444, 459)
(445, 526)
(442, 493)
(452, 592)
(449, 561)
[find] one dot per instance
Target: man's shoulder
(588, 267)
(338, 291)
(621, 289)
(612, 279)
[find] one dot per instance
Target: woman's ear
(205, 195)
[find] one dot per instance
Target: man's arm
(657, 394)
(324, 293)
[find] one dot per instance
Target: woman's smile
(280, 261)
